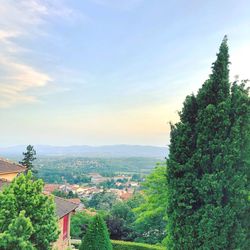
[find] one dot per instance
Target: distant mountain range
(91, 151)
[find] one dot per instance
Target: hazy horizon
(106, 72)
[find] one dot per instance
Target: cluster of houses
(125, 180)
(86, 192)
(66, 207)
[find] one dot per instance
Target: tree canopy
(23, 203)
(97, 236)
(208, 165)
(29, 157)
(18, 234)
(151, 214)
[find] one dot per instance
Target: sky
(101, 72)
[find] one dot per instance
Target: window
(65, 226)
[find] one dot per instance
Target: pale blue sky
(109, 71)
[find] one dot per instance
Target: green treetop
(18, 234)
(151, 214)
(25, 194)
(97, 236)
(29, 157)
(208, 165)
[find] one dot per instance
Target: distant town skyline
(104, 72)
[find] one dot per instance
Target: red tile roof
(49, 188)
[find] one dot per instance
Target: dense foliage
(139, 218)
(26, 211)
(78, 224)
(102, 201)
(150, 220)
(208, 166)
(65, 195)
(97, 236)
(18, 234)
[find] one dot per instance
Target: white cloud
(24, 18)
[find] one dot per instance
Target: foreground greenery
(208, 166)
(138, 219)
(27, 216)
(97, 236)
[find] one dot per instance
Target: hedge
(126, 245)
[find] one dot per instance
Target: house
(97, 178)
(50, 188)
(9, 170)
(64, 208)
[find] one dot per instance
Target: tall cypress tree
(208, 165)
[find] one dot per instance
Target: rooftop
(7, 166)
(63, 206)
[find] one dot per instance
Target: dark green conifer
(208, 165)
(97, 236)
(29, 157)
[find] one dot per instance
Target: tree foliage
(65, 195)
(29, 157)
(120, 220)
(208, 165)
(150, 220)
(78, 224)
(97, 236)
(18, 234)
(102, 201)
(25, 194)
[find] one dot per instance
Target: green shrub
(97, 236)
(125, 245)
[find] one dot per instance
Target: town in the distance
(82, 186)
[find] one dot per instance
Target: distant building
(126, 195)
(133, 184)
(97, 178)
(50, 188)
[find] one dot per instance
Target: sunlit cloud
(23, 19)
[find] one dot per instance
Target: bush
(125, 245)
(96, 237)
(78, 224)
